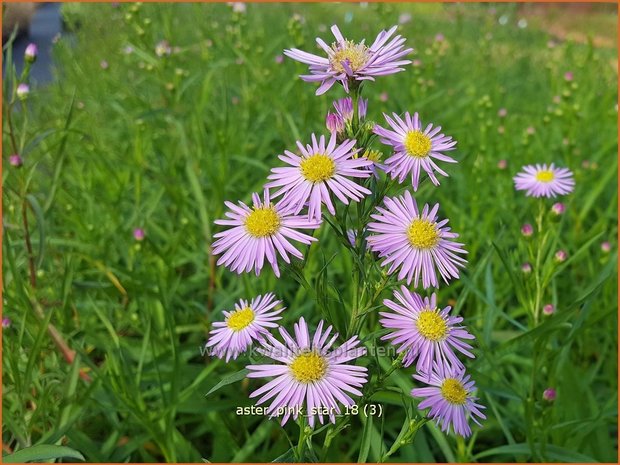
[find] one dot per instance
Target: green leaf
(555, 453)
(365, 443)
(229, 380)
(38, 213)
(42, 452)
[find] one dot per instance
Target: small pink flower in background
(549, 309)
(606, 247)
(502, 164)
(568, 76)
(22, 91)
(526, 268)
(404, 18)
(16, 160)
(384, 97)
(561, 256)
(544, 181)
(128, 50)
(527, 230)
(416, 62)
(549, 394)
(6, 322)
(530, 130)
(237, 7)
(279, 59)
(163, 48)
(104, 64)
(502, 112)
(138, 234)
(31, 53)
(439, 37)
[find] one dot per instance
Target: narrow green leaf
(229, 380)
(42, 452)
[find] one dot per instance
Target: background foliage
(160, 143)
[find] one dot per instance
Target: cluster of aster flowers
(412, 243)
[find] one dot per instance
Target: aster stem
(356, 116)
(299, 450)
(541, 242)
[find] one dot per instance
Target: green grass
(160, 143)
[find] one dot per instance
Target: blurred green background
(124, 138)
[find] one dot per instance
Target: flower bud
(6, 322)
(334, 123)
(22, 91)
(138, 234)
(606, 247)
(558, 208)
(16, 160)
(526, 268)
(549, 394)
(527, 230)
(30, 55)
(502, 164)
(549, 309)
(561, 256)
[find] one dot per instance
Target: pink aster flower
(344, 108)
(260, 233)
(334, 123)
(415, 242)
(415, 148)
(308, 374)
(450, 398)
(320, 170)
(544, 181)
(425, 333)
(351, 63)
(246, 323)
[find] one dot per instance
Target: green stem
(299, 450)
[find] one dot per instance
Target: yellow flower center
(240, 319)
(431, 325)
(356, 54)
(417, 144)
(422, 234)
(453, 391)
(308, 367)
(545, 176)
(372, 155)
(262, 222)
(318, 167)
